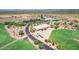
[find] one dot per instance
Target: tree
(56, 23)
(71, 23)
(65, 23)
(9, 26)
(21, 32)
(42, 16)
(31, 28)
(56, 27)
(51, 26)
(76, 26)
(6, 23)
(46, 40)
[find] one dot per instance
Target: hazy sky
(38, 4)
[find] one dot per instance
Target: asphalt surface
(46, 47)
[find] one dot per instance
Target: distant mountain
(16, 11)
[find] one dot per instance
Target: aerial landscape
(39, 29)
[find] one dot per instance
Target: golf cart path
(8, 44)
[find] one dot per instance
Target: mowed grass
(4, 36)
(20, 45)
(65, 39)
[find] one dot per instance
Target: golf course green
(4, 36)
(18, 45)
(65, 39)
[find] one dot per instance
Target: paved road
(33, 38)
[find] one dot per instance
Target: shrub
(6, 23)
(41, 46)
(36, 42)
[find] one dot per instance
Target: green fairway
(65, 39)
(20, 45)
(6, 39)
(4, 36)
